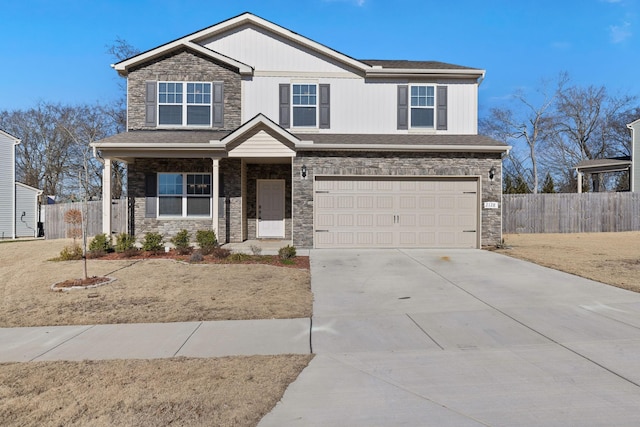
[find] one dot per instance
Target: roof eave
(310, 146)
(439, 73)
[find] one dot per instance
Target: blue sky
(55, 50)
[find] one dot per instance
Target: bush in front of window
(126, 244)
(100, 245)
(182, 242)
(153, 242)
(207, 241)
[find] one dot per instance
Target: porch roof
(206, 143)
(615, 164)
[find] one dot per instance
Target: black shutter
(218, 104)
(325, 104)
(441, 100)
(285, 114)
(403, 107)
(150, 104)
(150, 194)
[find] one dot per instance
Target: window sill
(183, 218)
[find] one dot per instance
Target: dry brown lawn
(145, 291)
(612, 258)
(232, 391)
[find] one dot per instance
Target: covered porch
(247, 174)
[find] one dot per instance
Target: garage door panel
(396, 212)
(384, 202)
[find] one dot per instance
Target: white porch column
(106, 198)
(215, 194)
(580, 174)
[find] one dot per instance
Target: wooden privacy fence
(56, 228)
(570, 212)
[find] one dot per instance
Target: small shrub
(153, 242)
(287, 252)
(182, 242)
(239, 257)
(71, 253)
(73, 217)
(207, 241)
(196, 256)
(220, 253)
(100, 245)
(125, 243)
(255, 249)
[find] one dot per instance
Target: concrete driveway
(463, 338)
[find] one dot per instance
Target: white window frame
(184, 104)
(422, 107)
(316, 105)
(185, 196)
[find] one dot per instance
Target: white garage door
(358, 212)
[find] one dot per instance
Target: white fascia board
(122, 67)
(15, 140)
(633, 123)
(28, 187)
(258, 120)
(244, 69)
(408, 72)
(310, 146)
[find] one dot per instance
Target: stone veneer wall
(229, 226)
(395, 164)
(183, 65)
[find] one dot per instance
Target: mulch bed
(301, 262)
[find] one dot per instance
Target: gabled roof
(16, 141)
(371, 68)
(260, 121)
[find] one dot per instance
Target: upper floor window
(184, 103)
(184, 195)
(305, 105)
(422, 106)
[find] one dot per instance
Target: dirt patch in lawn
(235, 391)
(145, 290)
(612, 258)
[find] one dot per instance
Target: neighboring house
(18, 202)
(630, 164)
(257, 132)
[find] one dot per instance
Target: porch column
(580, 174)
(215, 194)
(106, 197)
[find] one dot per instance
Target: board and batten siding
(359, 106)
(27, 203)
(7, 186)
(261, 144)
(265, 53)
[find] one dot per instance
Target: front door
(271, 208)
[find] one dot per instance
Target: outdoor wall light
(492, 172)
(303, 171)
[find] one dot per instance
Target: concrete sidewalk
(463, 338)
(155, 340)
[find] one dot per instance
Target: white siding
(256, 48)
(27, 203)
(261, 144)
(363, 107)
(7, 177)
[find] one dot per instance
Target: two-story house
(255, 131)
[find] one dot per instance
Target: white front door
(271, 208)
